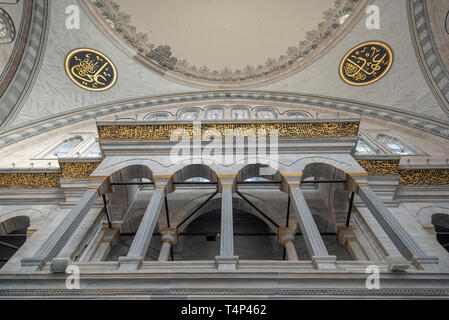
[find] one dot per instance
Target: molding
(46, 179)
(80, 293)
(427, 124)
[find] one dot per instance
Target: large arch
(12, 237)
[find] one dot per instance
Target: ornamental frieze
(77, 169)
(163, 132)
(29, 180)
(416, 177)
(424, 177)
(47, 180)
(380, 167)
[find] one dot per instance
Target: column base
(397, 263)
(59, 265)
(130, 263)
(423, 263)
(227, 263)
(324, 263)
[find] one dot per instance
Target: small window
(214, 113)
(198, 180)
(189, 115)
(298, 115)
(364, 147)
(395, 145)
(65, 147)
(240, 113)
(156, 117)
(94, 151)
(265, 114)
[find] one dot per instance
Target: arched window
(198, 179)
(94, 151)
(395, 145)
(364, 147)
(265, 114)
(441, 223)
(240, 113)
(156, 116)
(12, 237)
(188, 115)
(65, 147)
(298, 115)
(214, 113)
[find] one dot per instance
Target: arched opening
(12, 236)
(441, 223)
(323, 186)
(253, 238)
(128, 193)
(182, 201)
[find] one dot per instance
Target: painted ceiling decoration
(366, 63)
(7, 29)
(90, 69)
(324, 30)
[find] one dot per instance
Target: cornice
(431, 125)
(46, 179)
(430, 176)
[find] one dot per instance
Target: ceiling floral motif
(293, 59)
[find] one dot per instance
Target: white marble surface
(404, 87)
(54, 93)
(15, 12)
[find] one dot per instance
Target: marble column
(141, 242)
(406, 245)
(315, 245)
(169, 238)
(226, 260)
(286, 237)
(56, 241)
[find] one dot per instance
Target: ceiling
(226, 34)
(226, 42)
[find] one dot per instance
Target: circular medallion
(90, 69)
(366, 63)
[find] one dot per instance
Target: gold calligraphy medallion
(366, 63)
(90, 69)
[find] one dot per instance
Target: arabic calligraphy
(90, 69)
(366, 63)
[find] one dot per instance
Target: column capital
(226, 181)
(170, 235)
(100, 183)
(164, 182)
(290, 181)
(285, 234)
